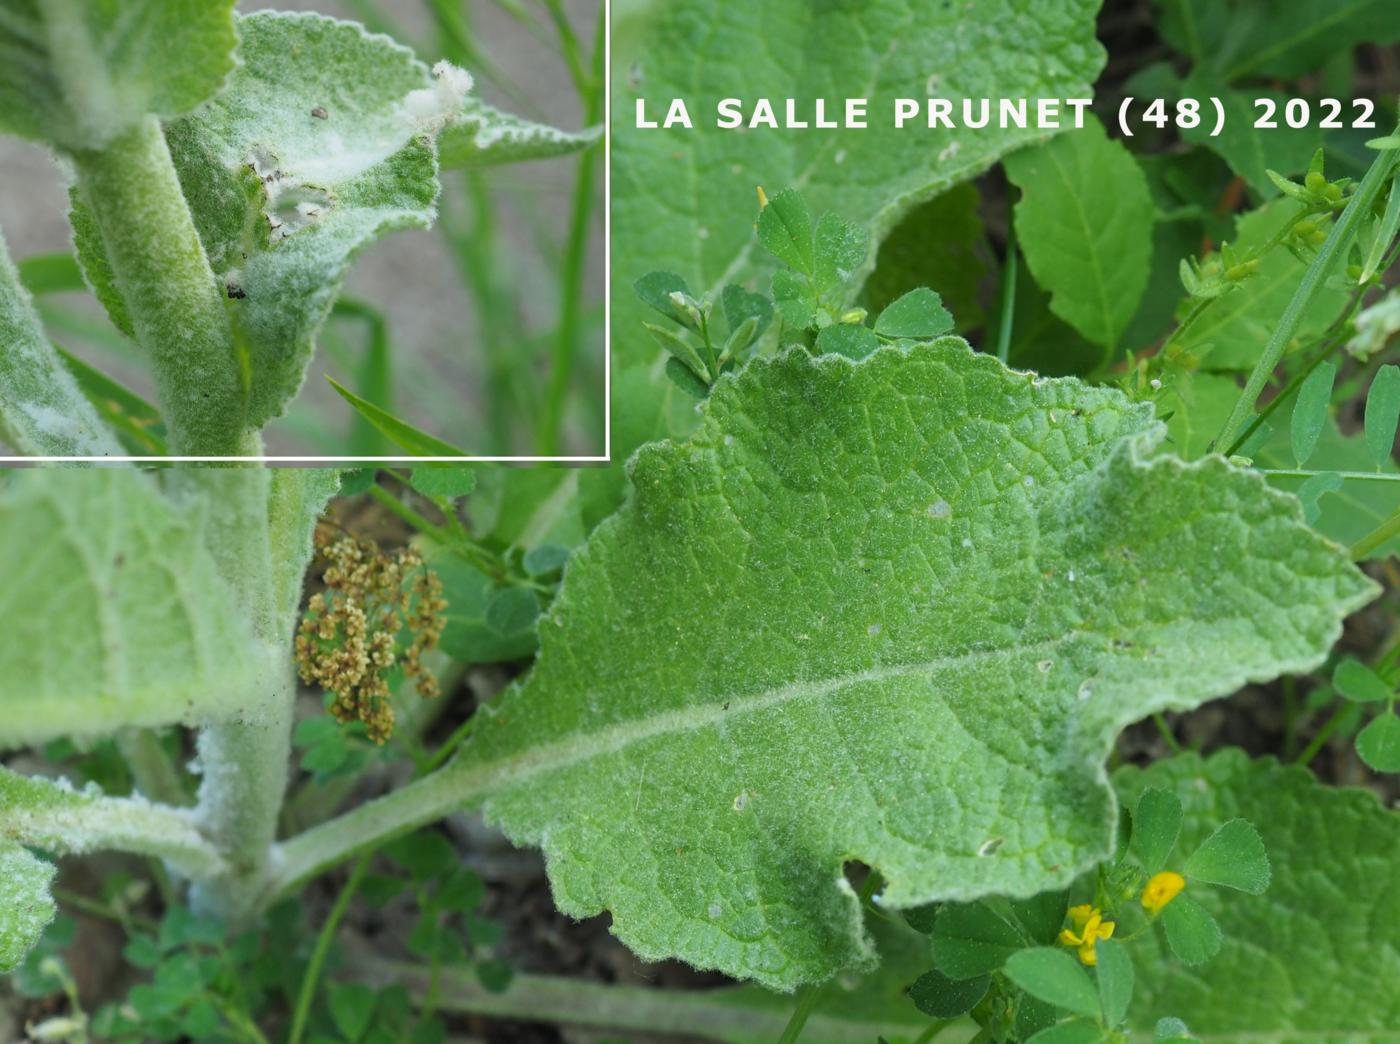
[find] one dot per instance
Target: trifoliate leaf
(971, 939)
(1354, 680)
(1156, 824)
(785, 229)
(933, 993)
(862, 598)
(1084, 222)
(853, 340)
(1300, 964)
(1383, 413)
(689, 199)
(1055, 977)
(840, 250)
(114, 612)
(1379, 743)
(482, 136)
(76, 73)
(918, 315)
(1310, 411)
(1233, 857)
(26, 907)
(1192, 933)
(656, 288)
(1114, 974)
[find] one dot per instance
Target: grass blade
(397, 431)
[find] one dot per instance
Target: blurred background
(465, 330)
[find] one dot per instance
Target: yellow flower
(1161, 890)
(1089, 928)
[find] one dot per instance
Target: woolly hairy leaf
(76, 73)
(321, 142)
(26, 908)
(485, 137)
(685, 199)
(1233, 331)
(42, 408)
(1084, 222)
(1301, 963)
(113, 612)
(893, 612)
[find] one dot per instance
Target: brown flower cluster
(349, 637)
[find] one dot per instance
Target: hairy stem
(164, 279)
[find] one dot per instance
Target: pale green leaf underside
(42, 410)
(1312, 960)
(1084, 222)
(26, 908)
(684, 200)
(484, 136)
(112, 612)
(893, 612)
(76, 73)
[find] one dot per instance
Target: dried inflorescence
(349, 637)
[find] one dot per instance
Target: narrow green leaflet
(113, 612)
(683, 200)
(1055, 977)
(321, 142)
(76, 73)
(1233, 331)
(401, 433)
(1310, 411)
(1379, 743)
(42, 409)
(1305, 963)
(26, 908)
(1084, 222)
(1383, 414)
(484, 136)
(892, 612)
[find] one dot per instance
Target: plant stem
(174, 300)
(807, 1000)
(575, 255)
(1324, 734)
(155, 774)
(1384, 532)
(1168, 737)
(1354, 476)
(727, 1013)
(1337, 241)
(1008, 288)
(307, 993)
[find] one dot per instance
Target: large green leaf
(42, 409)
(893, 611)
(1310, 961)
(112, 612)
(1084, 222)
(76, 73)
(683, 200)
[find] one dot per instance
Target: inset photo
(342, 229)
